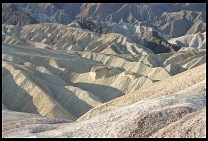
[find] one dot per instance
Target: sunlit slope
(177, 109)
(167, 86)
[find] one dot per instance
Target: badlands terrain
(103, 77)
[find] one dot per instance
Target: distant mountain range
(171, 18)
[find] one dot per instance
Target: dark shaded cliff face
(90, 25)
(153, 41)
(14, 16)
